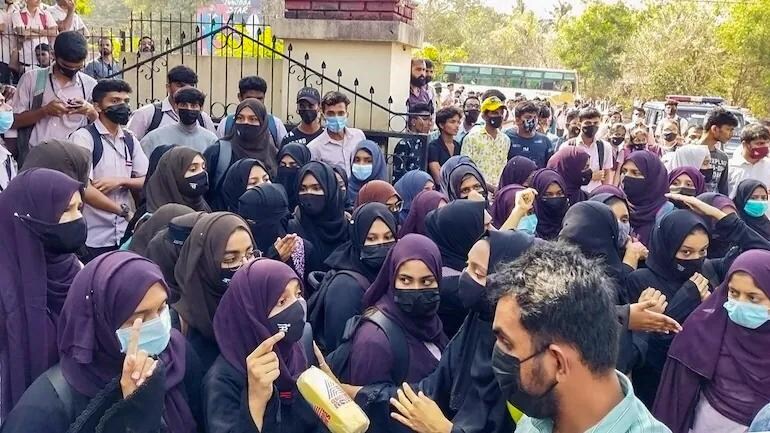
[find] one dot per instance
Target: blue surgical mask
(6, 120)
(153, 336)
(624, 233)
(528, 224)
(336, 123)
(362, 171)
(746, 314)
(756, 208)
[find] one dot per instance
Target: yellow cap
(491, 104)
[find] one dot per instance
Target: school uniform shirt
(295, 136)
(488, 153)
(41, 20)
(629, 416)
(326, 149)
(280, 129)
(80, 87)
(59, 14)
(142, 118)
(8, 167)
(104, 228)
(7, 39)
(740, 170)
(538, 148)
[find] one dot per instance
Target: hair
(493, 92)
(443, 115)
(252, 83)
(103, 87)
(638, 129)
(334, 98)
(640, 110)
(671, 102)
(43, 47)
(471, 97)
(571, 115)
(618, 126)
(667, 122)
(698, 129)
(544, 111)
(428, 64)
(563, 297)
(419, 110)
(71, 46)
(754, 131)
(189, 95)
(589, 113)
(416, 61)
(182, 74)
(719, 117)
(525, 107)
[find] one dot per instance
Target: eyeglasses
(239, 261)
(396, 207)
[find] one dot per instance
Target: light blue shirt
(629, 416)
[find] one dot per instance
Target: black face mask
(195, 186)
(225, 275)
(247, 132)
(67, 72)
(585, 176)
(495, 121)
(590, 131)
(472, 116)
(60, 238)
(555, 206)
(507, 370)
(287, 176)
(417, 81)
(308, 116)
(617, 141)
(188, 117)
(686, 268)
(418, 303)
(373, 256)
(312, 204)
(683, 190)
(669, 136)
(638, 146)
(574, 131)
(290, 321)
(634, 188)
(118, 114)
(708, 174)
(473, 296)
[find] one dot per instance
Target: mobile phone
(74, 103)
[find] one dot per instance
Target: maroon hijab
(505, 200)
(34, 283)
(698, 181)
(517, 171)
(422, 205)
(569, 162)
(645, 207)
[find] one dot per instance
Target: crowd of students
(186, 290)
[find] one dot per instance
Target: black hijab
(266, 210)
(157, 222)
(743, 193)
(60, 155)
(667, 236)
(163, 186)
(455, 228)
(459, 174)
(261, 147)
(348, 255)
(329, 229)
(592, 227)
(287, 176)
(234, 185)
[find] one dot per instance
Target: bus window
(534, 80)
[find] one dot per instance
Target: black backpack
(339, 360)
(98, 150)
(316, 303)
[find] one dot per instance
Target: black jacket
(343, 301)
(226, 406)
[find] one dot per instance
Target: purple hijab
(517, 171)
(381, 293)
(505, 200)
(241, 321)
(548, 225)
(103, 296)
(693, 173)
(569, 162)
(422, 205)
(34, 283)
(707, 335)
(644, 208)
(609, 189)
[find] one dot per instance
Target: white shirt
(59, 14)
(326, 149)
(104, 228)
(142, 118)
(7, 39)
(27, 54)
(593, 152)
(7, 167)
(740, 170)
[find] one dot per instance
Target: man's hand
(418, 412)
(108, 184)
(56, 108)
(85, 109)
(642, 318)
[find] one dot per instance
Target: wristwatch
(124, 211)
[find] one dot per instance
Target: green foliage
(84, 7)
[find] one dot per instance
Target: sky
(541, 7)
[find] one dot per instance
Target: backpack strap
(223, 163)
(157, 117)
(129, 140)
(229, 122)
(98, 147)
(273, 129)
(37, 94)
(62, 388)
(200, 119)
(316, 304)
(600, 151)
(398, 344)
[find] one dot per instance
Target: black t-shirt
(437, 151)
(299, 137)
(538, 148)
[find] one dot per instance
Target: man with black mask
(418, 92)
(488, 146)
(308, 108)
(600, 152)
(119, 167)
(472, 110)
(557, 337)
(187, 132)
(525, 139)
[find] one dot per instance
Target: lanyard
(53, 89)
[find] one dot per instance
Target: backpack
(599, 149)
(43, 19)
(316, 304)
(157, 117)
(339, 360)
(230, 121)
(23, 134)
(98, 150)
